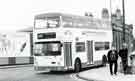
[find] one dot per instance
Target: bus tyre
(104, 60)
(77, 66)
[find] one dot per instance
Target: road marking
(74, 76)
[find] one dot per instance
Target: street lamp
(123, 20)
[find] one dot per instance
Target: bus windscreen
(47, 49)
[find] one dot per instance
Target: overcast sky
(19, 14)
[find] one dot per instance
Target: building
(117, 28)
(15, 48)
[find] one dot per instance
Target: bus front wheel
(77, 66)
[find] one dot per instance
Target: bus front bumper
(42, 68)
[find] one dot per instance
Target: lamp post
(123, 20)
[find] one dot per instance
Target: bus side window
(67, 22)
(101, 46)
(107, 45)
(80, 47)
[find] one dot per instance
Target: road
(28, 74)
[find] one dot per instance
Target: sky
(19, 14)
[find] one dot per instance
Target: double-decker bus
(68, 42)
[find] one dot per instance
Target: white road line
(75, 77)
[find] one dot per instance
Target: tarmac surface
(103, 74)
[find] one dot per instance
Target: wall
(15, 48)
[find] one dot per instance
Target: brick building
(117, 28)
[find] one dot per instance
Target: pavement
(103, 74)
(15, 66)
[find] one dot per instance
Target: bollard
(120, 67)
(132, 58)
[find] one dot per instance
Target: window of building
(80, 46)
(101, 46)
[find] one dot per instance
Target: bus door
(90, 51)
(68, 53)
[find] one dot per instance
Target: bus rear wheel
(77, 66)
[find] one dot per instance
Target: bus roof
(62, 14)
(56, 14)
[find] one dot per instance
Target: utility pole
(111, 11)
(123, 20)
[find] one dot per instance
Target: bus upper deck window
(47, 22)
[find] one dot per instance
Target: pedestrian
(112, 60)
(123, 53)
